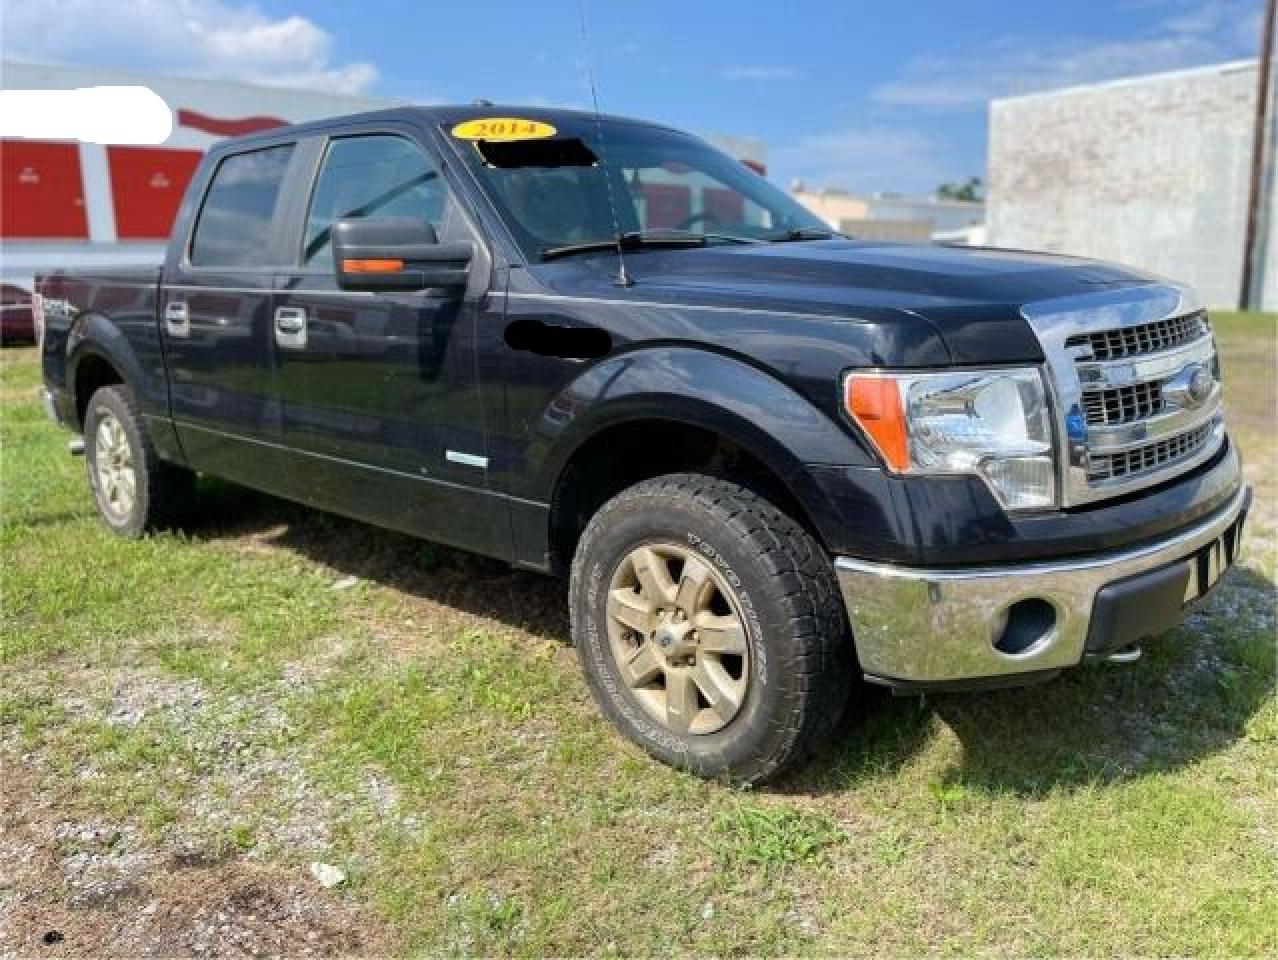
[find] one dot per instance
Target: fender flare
(771, 421)
(94, 335)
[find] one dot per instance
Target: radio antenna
(623, 278)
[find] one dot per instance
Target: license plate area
(1209, 562)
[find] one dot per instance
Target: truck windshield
(572, 191)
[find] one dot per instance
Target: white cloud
(1191, 32)
(215, 38)
(864, 160)
(760, 73)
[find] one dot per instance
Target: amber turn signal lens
(372, 266)
(875, 404)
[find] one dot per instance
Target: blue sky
(856, 95)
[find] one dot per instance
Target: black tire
(163, 492)
(785, 594)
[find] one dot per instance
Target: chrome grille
(1150, 457)
(1138, 401)
(1142, 339)
(1132, 408)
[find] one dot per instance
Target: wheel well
(626, 454)
(92, 373)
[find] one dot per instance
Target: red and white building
(80, 204)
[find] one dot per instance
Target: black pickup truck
(771, 460)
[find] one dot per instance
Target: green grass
(773, 838)
(433, 721)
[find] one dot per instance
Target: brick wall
(1149, 172)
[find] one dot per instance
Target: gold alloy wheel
(675, 630)
(113, 464)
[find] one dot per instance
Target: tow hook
(76, 447)
(1128, 654)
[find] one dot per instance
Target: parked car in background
(770, 460)
(17, 319)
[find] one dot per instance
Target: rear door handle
(177, 318)
(290, 327)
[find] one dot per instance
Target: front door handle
(290, 327)
(177, 318)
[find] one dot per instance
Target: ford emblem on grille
(1200, 385)
(1191, 387)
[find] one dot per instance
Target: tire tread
(166, 490)
(800, 575)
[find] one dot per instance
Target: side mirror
(399, 253)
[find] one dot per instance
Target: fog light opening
(1028, 624)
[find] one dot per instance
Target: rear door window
(235, 221)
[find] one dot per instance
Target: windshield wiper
(638, 239)
(806, 233)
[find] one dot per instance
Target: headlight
(991, 423)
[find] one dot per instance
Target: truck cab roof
(434, 115)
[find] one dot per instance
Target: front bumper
(993, 624)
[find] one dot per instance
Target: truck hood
(971, 296)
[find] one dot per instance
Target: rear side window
(376, 175)
(234, 226)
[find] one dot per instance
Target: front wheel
(135, 491)
(710, 628)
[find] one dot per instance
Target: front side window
(234, 225)
(374, 176)
(592, 180)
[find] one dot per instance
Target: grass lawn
(189, 721)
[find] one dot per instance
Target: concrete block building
(1151, 172)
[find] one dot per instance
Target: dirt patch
(85, 887)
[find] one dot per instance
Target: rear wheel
(134, 490)
(710, 627)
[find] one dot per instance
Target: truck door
(379, 392)
(214, 319)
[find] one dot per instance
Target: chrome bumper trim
(935, 625)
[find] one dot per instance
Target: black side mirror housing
(396, 253)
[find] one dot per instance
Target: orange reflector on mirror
(875, 403)
(372, 266)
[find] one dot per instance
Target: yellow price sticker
(503, 128)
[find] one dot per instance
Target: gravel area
(73, 883)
